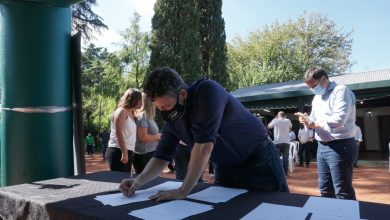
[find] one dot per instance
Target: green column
(35, 71)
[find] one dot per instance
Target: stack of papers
(117, 199)
(177, 209)
(216, 194)
(172, 210)
(328, 208)
(320, 207)
(267, 211)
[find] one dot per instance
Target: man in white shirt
(305, 136)
(282, 127)
(333, 116)
(359, 139)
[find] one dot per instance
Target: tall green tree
(92, 69)
(175, 38)
(282, 52)
(213, 40)
(135, 53)
(85, 20)
(101, 72)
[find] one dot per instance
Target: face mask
(177, 112)
(318, 90)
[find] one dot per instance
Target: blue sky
(369, 20)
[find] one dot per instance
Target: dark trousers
(261, 171)
(357, 149)
(113, 157)
(182, 159)
(334, 160)
(104, 148)
(141, 160)
(306, 147)
(284, 151)
(90, 149)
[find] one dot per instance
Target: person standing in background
(90, 143)
(282, 126)
(333, 116)
(123, 132)
(147, 135)
(104, 138)
(359, 139)
(305, 136)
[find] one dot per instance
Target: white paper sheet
(267, 211)
(140, 195)
(177, 209)
(328, 208)
(215, 194)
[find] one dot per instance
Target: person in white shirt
(305, 136)
(359, 139)
(282, 127)
(121, 145)
(333, 116)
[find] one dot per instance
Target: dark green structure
(36, 96)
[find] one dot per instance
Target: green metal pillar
(36, 98)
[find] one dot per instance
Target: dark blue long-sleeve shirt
(213, 115)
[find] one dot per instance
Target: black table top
(73, 198)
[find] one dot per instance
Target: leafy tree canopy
(283, 52)
(85, 20)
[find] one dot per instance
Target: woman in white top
(123, 132)
(147, 134)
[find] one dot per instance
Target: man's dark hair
(315, 73)
(163, 81)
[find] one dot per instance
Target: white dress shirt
(335, 112)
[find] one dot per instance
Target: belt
(325, 142)
(330, 142)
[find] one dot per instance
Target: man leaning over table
(215, 125)
(333, 117)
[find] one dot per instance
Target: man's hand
(128, 187)
(169, 195)
(304, 119)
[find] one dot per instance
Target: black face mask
(177, 112)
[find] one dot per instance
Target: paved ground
(371, 179)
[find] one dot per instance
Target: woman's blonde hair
(147, 107)
(130, 98)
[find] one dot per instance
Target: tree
(101, 72)
(85, 20)
(135, 53)
(213, 40)
(175, 38)
(283, 52)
